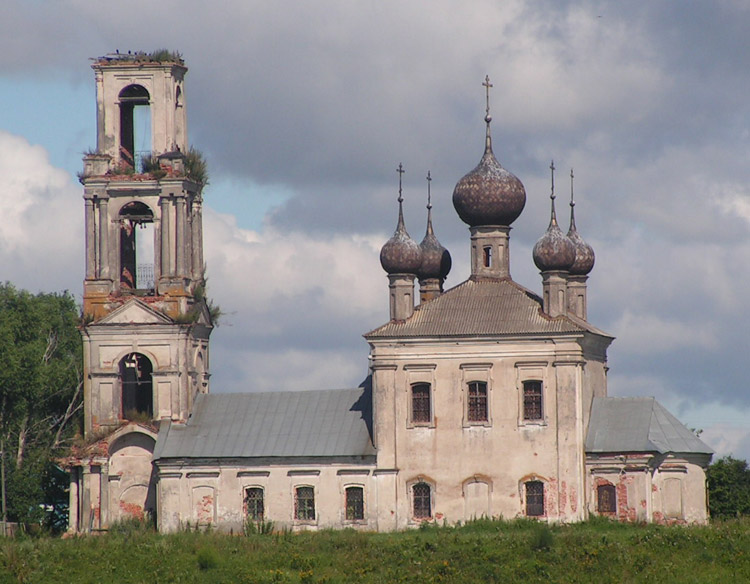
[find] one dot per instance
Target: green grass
(481, 551)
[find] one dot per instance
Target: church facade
(484, 400)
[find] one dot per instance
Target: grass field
(481, 551)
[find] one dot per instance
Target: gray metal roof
(638, 424)
(481, 307)
(277, 424)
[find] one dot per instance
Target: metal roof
(275, 424)
(481, 307)
(638, 424)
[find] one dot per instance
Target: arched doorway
(137, 386)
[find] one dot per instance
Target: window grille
(304, 504)
(420, 403)
(422, 503)
(477, 410)
(254, 503)
(606, 498)
(355, 504)
(535, 499)
(532, 400)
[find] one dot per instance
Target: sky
(304, 111)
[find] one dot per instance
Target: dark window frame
(533, 400)
(304, 503)
(421, 403)
(534, 498)
(477, 401)
(421, 497)
(354, 496)
(606, 498)
(255, 504)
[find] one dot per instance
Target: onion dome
(489, 194)
(584, 262)
(401, 254)
(554, 251)
(436, 261)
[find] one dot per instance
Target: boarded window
(355, 503)
(420, 403)
(673, 498)
(606, 499)
(477, 406)
(535, 499)
(304, 504)
(254, 507)
(476, 500)
(532, 400)
(422, 504)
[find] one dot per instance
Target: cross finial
(400, 170)
(572, 202)
(487, 86)
(429, 199)
(552, 171)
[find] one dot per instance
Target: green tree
(728, 488)
(40, 397)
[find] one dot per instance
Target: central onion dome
(554, 251)
(401, 254)
(489, 194)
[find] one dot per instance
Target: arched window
(254, 504)
(135, 126)
(304, 504)
(421, 501)
(532, 400)
(355, 503)
(421, 410)
(137, 386)
(477, 405)
(136, 246)
(534, 498)
(606, 499)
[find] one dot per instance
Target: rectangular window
(355, 504)
(535, 499)
(422, 503)
(532, 400)
(477, 406)
(254, 503)
(420, 403)
(304, 504)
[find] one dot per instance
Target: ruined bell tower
(146, 322)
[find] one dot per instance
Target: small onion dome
(584, 262)
(489, 194)
(554, 251)
(436, 261)
(401, 254)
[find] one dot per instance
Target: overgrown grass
(480, 551)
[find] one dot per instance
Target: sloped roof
(638, 424)
(481, 307)
(276, 424)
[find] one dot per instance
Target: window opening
(534, 498)
(420, 403)
(422, 504)
(477, 410)
(606, 498)
(355, 503)
(254, 508)
(137, 386)
(487, 257)
(532, 400)
(136, 246)
(135, 126)
(304, 504)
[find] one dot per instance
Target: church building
(482, 400)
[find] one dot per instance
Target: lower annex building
(483, 400)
